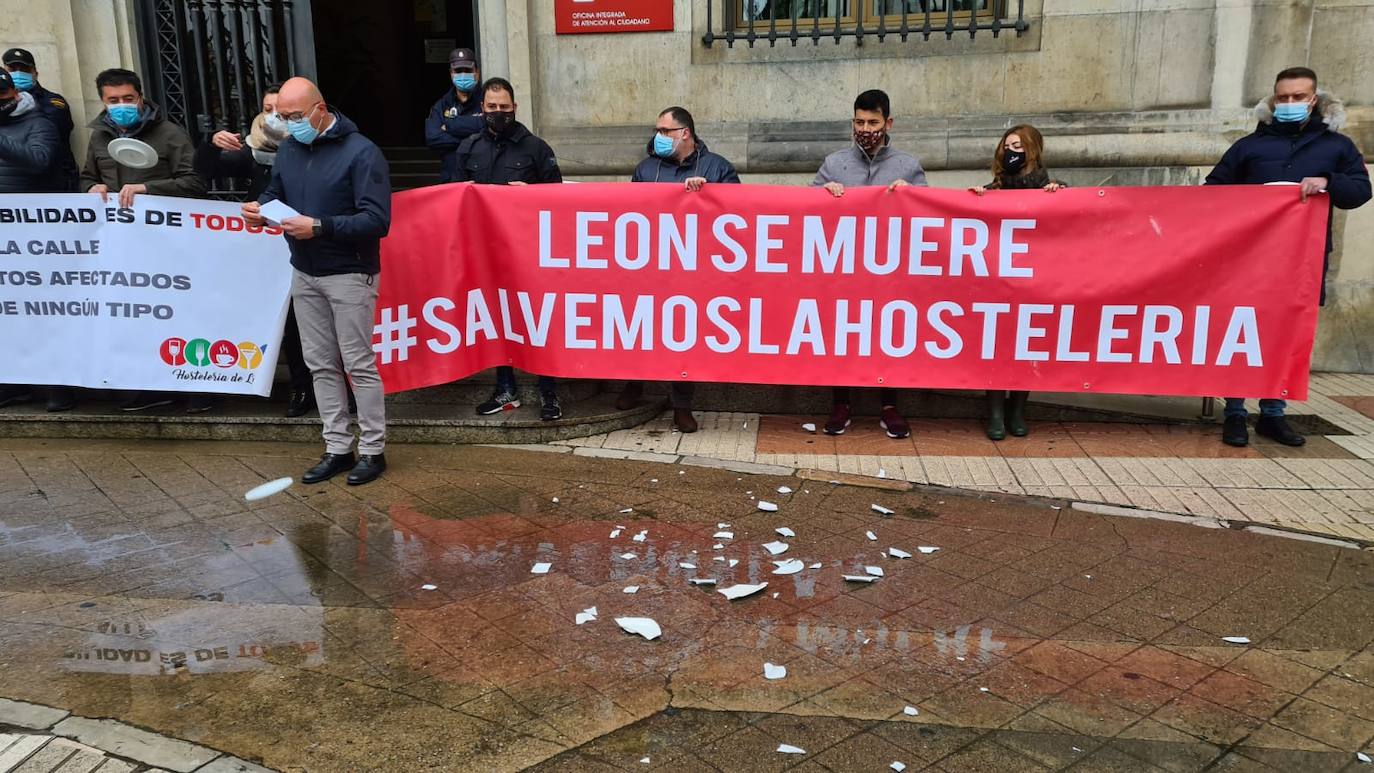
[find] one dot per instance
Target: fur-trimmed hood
(1331, 108)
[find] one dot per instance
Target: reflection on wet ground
(399, 626)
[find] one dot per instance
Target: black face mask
(1013, 161)
(8, 108)
(500, 124)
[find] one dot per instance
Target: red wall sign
(591, 16)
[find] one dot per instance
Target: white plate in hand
(135, 154)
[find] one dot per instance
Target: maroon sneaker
(893, 422)
(839, 419)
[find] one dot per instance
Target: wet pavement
(398, 626)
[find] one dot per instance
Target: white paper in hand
(274, 212)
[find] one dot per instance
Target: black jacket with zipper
(516, 157)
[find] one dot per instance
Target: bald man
(338, 181)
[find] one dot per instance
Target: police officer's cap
(18, 56)
(462, 57)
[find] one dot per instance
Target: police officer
(24, 72)
(506, 153)
(458, 113)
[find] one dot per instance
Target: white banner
(169, 295)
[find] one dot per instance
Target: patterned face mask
(869, 141)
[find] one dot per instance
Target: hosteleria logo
(203, 353)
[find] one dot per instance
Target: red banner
(1167, 291)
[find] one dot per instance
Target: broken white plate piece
(775, 595)
(587, 615)
(771, 671)
(685, 565)
(982, 689)
(789, 749)
(926, 549)
(627, 510)
(860, 578)
(555, 500)
(784, 490)
(616, 533)
(790, 566)
(767, 507)
(640, 537)
(881, 510)
(815, 566)
(740, 591)
(882, 473)
(628, 556)
(733, 562)
(644, 760)
(653, 480)
(1236, 639)
(427, 586)
(723, 535)
(717, 546)
(776, 547)
(897, 766)
(721, 559)
(783, 531)
(895, 553)
(541, 568)
(809, 427)
(642, 626)
(910, 711)
(1362, 757)
(702, 581)
(876, 571)
(630, 589)
(722, 526)
(871, 536)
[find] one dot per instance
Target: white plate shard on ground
(616, 533)
(717, 546)
(910, 711)
(628, 556)
(881, 510)
(876, 571)
(882, 473)
(790, 566)
(721, 559)
(270, 488)
(427, 586)
(776, 547)
(784, 490)
(815, 566)
(702, 581)
(783, 531)
(555, 500)
(1362, 757)
(1236, 639)
(897, 766)
(723, 535)
(767, 507)
(809, 427)
(685, 565)
(895, 553)
(642, 626)
(733, 562)
(771, 671)
(784, 748)
(630, 589)
(640, 537)
(587, 615)
(627, 510)
(722, 526)
(871, 536)
(542, 567)
(740, 591)
(926, 549)
(860, 578)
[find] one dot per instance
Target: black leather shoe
(302, 402)
(1235, 432)
(329, 466)
(1276, 428)
(368, 469)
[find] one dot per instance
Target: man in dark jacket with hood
(677, 155)
(458, 113)
(506, 153)
(1297, 141)
(24, 71)
(338, 182)
(28, 156)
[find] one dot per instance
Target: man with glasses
(506, 153)
(677, 155)
(338, 181)
(869, 160)
(458, 113)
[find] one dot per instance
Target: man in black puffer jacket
(29, 147)
(1297, 141)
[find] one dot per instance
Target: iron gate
(208, 62)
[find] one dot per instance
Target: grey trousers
(335, 315)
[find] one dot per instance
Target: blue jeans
(1235, 406)
(505, 378)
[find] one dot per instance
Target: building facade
(1127, 92)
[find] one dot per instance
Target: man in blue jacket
(338, 181)
(1297, 141)
(457, 115)
(677, 155)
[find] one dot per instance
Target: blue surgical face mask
(123, 115)
(663, 146)
(275, 123)
(302, 131)
(1292, 112)
(464, 82)
(22, 81)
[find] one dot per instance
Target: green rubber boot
(997, 427)
(1016, 413)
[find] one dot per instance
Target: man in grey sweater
(870, 161)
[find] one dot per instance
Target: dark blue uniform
(449, 123)
(55, 109)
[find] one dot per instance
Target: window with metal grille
(753, 21)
